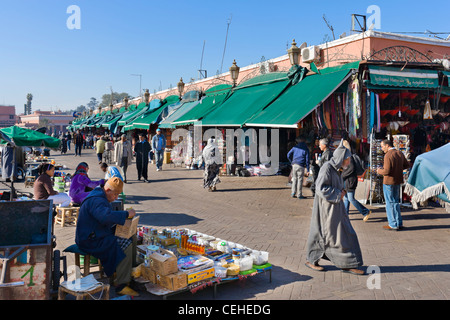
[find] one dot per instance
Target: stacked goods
(178, 258)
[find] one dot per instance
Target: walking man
(100, 148)
(79, 141)
(299, 158)
(158, 147)
(142, 148)
(123, 155)
(331, 234)
(394, 164)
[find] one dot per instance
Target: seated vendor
(43, 187)
(95, 234)
(81, 185)
(110, 171)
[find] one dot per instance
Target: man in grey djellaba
(331, 235)
(213, 161)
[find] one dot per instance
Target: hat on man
(158, 129)
(114, 184)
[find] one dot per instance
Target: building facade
(55, 122)
(7, 116)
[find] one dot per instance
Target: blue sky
(163, 40)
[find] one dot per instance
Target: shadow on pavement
(239, 289)
(167, 219)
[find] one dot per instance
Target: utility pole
(226, 38)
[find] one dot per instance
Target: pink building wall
(7, 116)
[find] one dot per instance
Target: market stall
(180, 260)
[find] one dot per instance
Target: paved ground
(258, 212)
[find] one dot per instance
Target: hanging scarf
(81, 169)
(378, 112)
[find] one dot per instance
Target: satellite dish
(343, 35)
(303, 45)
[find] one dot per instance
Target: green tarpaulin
(29, 138)
(300, 100)
(185, 107)
(141, 109)
(247, 99)
(213, 98)
(151, 116)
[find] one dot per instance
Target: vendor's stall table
(214, 282)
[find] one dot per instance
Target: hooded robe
(212, 158)
(332, 236)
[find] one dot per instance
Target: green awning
(141, 109)
(213, 98)
(406, 78)
(247, 99)
(300, 100)
(151, 116)
(182, 110)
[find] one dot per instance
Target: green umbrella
(29, 138)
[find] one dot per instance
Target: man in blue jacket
(158, 147)
(299, 158)
(95, 233)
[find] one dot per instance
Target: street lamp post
(234, 71)
(294, 54)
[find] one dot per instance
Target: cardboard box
(173, 281)
(200, 275)
(129, 229)
(148, 274)
(163, 263)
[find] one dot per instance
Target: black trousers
(78, 149)
(142, 168)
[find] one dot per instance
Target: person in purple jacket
(81, 185)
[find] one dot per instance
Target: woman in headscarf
(81, 185)
(212, 158)
(331, 235)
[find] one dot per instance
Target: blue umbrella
(430, 176)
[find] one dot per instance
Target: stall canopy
(22, 137)
(151, 116)
(175, 111)
(213, 98)
(430, 176)
(247, 99)
(389, 77)
(300, 100)
(132, 114)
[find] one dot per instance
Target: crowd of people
(334, 181)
